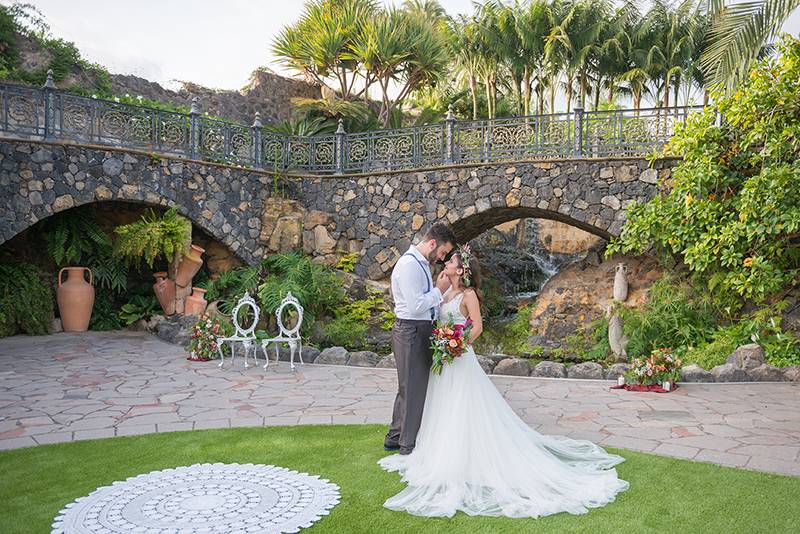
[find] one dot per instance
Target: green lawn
(666, 495)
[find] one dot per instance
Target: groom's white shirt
(411, 278)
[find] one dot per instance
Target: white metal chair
(291, 336)
(245, 336)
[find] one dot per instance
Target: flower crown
(465, 253)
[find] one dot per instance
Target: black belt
(414, 321)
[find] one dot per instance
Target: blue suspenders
(427, 278)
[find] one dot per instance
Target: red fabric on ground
(638, 387)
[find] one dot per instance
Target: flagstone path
(67, 387)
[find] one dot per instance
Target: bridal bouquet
(448, 342)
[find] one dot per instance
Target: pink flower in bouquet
(453, 343)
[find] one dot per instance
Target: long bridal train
(474, 454)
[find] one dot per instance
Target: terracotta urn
(195, 303)
(75, 299)
(164, 289)
(189, 265)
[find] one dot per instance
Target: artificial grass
(666, 494)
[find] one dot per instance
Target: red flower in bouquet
(449, 341)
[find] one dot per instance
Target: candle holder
(667, 385)
(620, 380)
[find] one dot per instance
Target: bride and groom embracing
(461, 446)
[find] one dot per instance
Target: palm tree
(465, 52)
(737, 36)
(318, 45)
(534, 22)
(575, 41)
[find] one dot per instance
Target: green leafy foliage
(349, 328)
(231, 285)
(315, 286)
(26, 300)
(347, 263)
(73, 236)
(732, 213)
(507, 337)
(139, 307)
(105, 313)
(152, 236)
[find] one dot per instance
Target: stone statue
(621, 283)
(617, 339)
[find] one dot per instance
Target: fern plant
(231, 285)
(71, 237)
(151, 236)
(316, 286)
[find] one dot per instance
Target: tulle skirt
(474, 454)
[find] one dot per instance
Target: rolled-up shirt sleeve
(410, 282)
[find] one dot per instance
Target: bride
(474, 454)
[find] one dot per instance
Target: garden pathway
(68, 387)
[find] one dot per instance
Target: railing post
(49, 106)
(578, 133)
(341, 139)
(194, 121)
(450, 136)
(257, 149)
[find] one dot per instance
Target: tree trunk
(473, 90)
(597, 93)
(526, 109)
(520, 234)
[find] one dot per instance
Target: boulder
(177, 329)
(363, 358)
(387, 362)
(550, 370)
(747, 356)
(792, 373)
(695, 373)
(766, 373)
(592, 370)
(333, 356)
(728, 373)
(309, 353)
(487, 364)
(616, 370)
(513, 367)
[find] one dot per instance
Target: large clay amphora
(164, 289)
(75, 299)
(195, 303)
(189, 265)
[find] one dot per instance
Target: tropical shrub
(26, 300)
(139, 307)
(732, 211)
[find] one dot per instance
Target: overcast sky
(216, 43)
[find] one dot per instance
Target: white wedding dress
(474, 454)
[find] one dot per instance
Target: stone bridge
(254, 212)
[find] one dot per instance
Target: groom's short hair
(441, 233)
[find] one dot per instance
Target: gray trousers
(411, 342)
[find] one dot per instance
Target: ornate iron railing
(46, 113)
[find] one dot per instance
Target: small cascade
(520, 266)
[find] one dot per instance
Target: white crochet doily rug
(203, 498)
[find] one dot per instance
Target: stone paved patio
(69, 387)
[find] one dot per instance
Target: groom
(416, 299)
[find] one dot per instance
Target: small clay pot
(195, 303)
(164, 289)
(189, 265)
